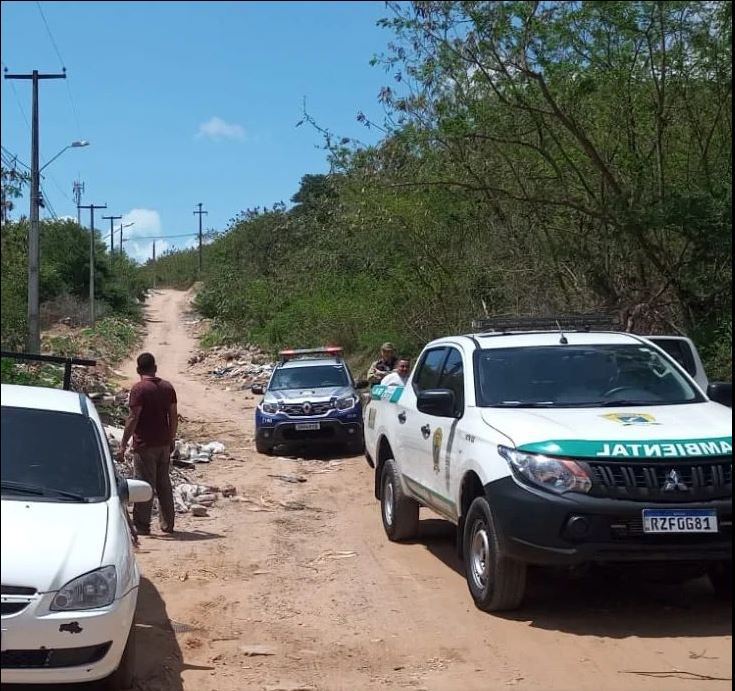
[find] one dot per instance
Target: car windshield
(579, 376)
(50, 456)
(311, 377)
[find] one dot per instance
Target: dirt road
(304, 573)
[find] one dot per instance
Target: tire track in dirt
(306, 571)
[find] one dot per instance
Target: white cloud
(147, 224)
(217, 129)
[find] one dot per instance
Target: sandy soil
(304, 573)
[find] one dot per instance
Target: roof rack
(292, 354)
(565, 322)
(55, 359)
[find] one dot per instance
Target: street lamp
(74, 145)
(34, 254)
(127, 225)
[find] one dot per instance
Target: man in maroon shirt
(152, 424)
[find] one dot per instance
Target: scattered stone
(199, 511)
(255, 650)
(229, 491)
(289, 478)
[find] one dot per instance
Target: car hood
(47, 544)
(322, 393)
(697, 429)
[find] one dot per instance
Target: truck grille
(297, 409)
(645, 480)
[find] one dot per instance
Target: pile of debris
(188, 496)
(249, 364)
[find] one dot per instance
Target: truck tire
(263, 447)
(123, 678)
(720, 576)
(400, 513)
(496, 582)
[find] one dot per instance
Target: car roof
(311, 362)
(41, 398)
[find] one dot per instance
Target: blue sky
(186, 102)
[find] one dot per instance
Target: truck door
(446, 441)
(414, 440)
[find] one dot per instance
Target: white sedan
(69, 576)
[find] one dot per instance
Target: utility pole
(154, 265)
(112, 233)
(34, 322)
(78, 188)
(91, 208)
(200, 212)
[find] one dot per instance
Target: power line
(163, 237)
(15, 158)
(47, 203)
(17, 100)
(62, 61)
(50, 35)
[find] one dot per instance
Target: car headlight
(558, 475)
(345, 403)
(270, 408)
(94, 589)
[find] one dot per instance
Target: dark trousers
(152, 465)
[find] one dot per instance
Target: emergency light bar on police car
(291, 354)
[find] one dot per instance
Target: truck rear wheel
(496, 582)
(400, 513)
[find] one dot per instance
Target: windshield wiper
(23, 488)
(624, 402)
(524, 404)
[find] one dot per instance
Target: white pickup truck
(557, 447)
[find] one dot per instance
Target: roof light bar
(567, 322)
(290, 353)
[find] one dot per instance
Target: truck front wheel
(496, 582)
(400, 513)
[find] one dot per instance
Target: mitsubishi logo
(306, 408)
(674, 483)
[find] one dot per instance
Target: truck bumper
(541, 528)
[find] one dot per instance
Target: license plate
(679, 521)
(307, 425)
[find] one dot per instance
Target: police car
(560, 446)
(311, 398)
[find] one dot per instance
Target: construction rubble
(247, 365)
(189, 497)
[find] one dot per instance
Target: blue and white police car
(311, 398)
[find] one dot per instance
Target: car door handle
(425, 431)
(402, 417)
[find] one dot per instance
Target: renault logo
(306, 408)
(674, 483)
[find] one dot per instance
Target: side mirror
(720, 392)
(257, 389)
(438, 402)
(138, 491)
(362, 384)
